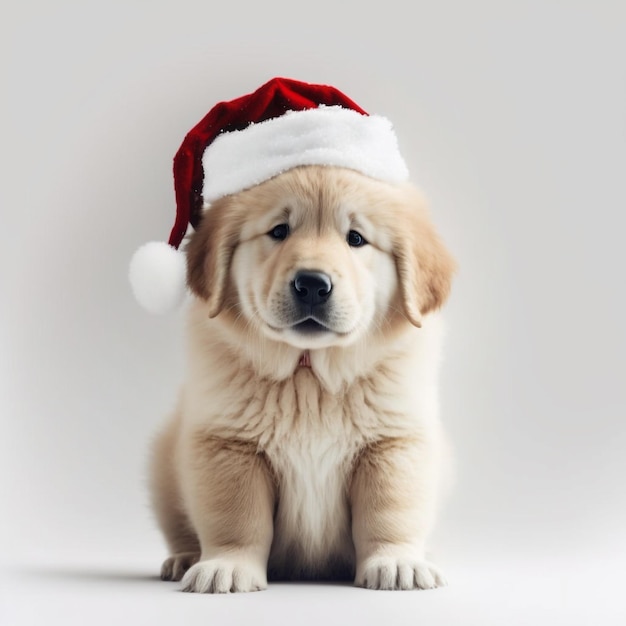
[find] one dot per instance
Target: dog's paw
(175, 566)
(224, 575)
(386, 572)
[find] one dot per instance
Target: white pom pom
(158, 274)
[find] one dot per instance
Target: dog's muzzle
(311, 291)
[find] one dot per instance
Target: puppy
(306, 442)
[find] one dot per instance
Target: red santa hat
(241, 143)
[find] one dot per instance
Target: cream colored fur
(330, 471)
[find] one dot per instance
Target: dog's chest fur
(311, 440)
(312, 446)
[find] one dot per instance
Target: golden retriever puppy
(306, 442)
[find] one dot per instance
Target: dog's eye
(355, 239)
(279, 232)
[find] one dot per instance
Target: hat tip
(158, 275)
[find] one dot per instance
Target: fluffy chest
(313, 461)
(311, 442)
(311, 439)
(298, 413)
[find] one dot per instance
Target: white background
(512, 117)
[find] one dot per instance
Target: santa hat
(244, 142)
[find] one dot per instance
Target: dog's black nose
(312, 287)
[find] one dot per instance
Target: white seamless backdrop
(511, 117)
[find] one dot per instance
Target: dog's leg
(393, 505)
(181, 539)
(230, 496)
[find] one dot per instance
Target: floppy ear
(425, 267)
(209, 253)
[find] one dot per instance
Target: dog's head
(319, 256)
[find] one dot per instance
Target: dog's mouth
(309, 332)
(310, 326)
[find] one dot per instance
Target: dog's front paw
(175, 566)
(223, 575)
(386, 572)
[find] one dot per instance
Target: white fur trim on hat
(158, 275)
(328, 135)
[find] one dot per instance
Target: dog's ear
(424, 265)
(209, 253)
